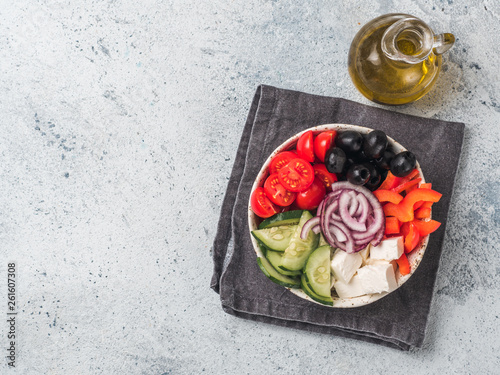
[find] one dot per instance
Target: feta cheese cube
(377, 278)
(344, 265)
(389, 249)
(374, 262)
(365, 253)
(352, 289)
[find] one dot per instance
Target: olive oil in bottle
(396, 58)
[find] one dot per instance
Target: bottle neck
(408, 40)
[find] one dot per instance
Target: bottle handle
(442, 43)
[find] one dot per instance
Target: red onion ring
(348, 220)
(308, 225)
(351, 217)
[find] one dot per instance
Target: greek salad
(339, 213)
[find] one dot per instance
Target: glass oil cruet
(396, 58)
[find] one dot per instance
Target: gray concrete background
(119, 126)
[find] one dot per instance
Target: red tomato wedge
(323, 142)
(311, 198)
(297, 175)
(305, 147)
(280, 160)
(326, 177)
(277, 193)
(261, 205)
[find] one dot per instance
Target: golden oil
(398, 64)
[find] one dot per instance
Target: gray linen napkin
(397, 320)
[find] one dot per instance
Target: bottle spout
(442, 43)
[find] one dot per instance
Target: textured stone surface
(120, 122)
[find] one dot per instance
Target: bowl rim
(414, 258)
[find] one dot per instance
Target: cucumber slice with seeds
(275, 238)
(297, 252)
(275, 258)
(275, 276)
(283, 218)
(307, 290)
(317, 271)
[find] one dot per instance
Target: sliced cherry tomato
(297, 175)
(326, 177)
(280, 160)
(277, 193)
(305, 146)
(311, 198)
(261, 205)
(323, 142)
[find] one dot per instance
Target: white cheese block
(344, 265)
(349, 290)
(374, 262)
(389, 249)
(365, 253)
(377, 278)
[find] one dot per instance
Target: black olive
(350, 141)
(384, 162)
(375, 176)
(335, 160)
(403, 163)
(358, 174)
(359, 157)
(375, 144)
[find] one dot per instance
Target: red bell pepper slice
(405, 207)
(411, 188)
(388, 196)
(417, 205)
(427, 185)
(427, 205)
(391, 209)
(406, 185)
(404, 180)
(423, 213)
(392, 225)
(410, 176)
(412, 236)
(403, 264)
(390, 182)
(426, 227)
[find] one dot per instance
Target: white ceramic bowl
(414, 257)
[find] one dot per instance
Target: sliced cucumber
(275, 238)
(307, 290)
(263, 247)
(298, 250)
(275, 258)
(275, 276)
(283, 218)
(317, 271)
